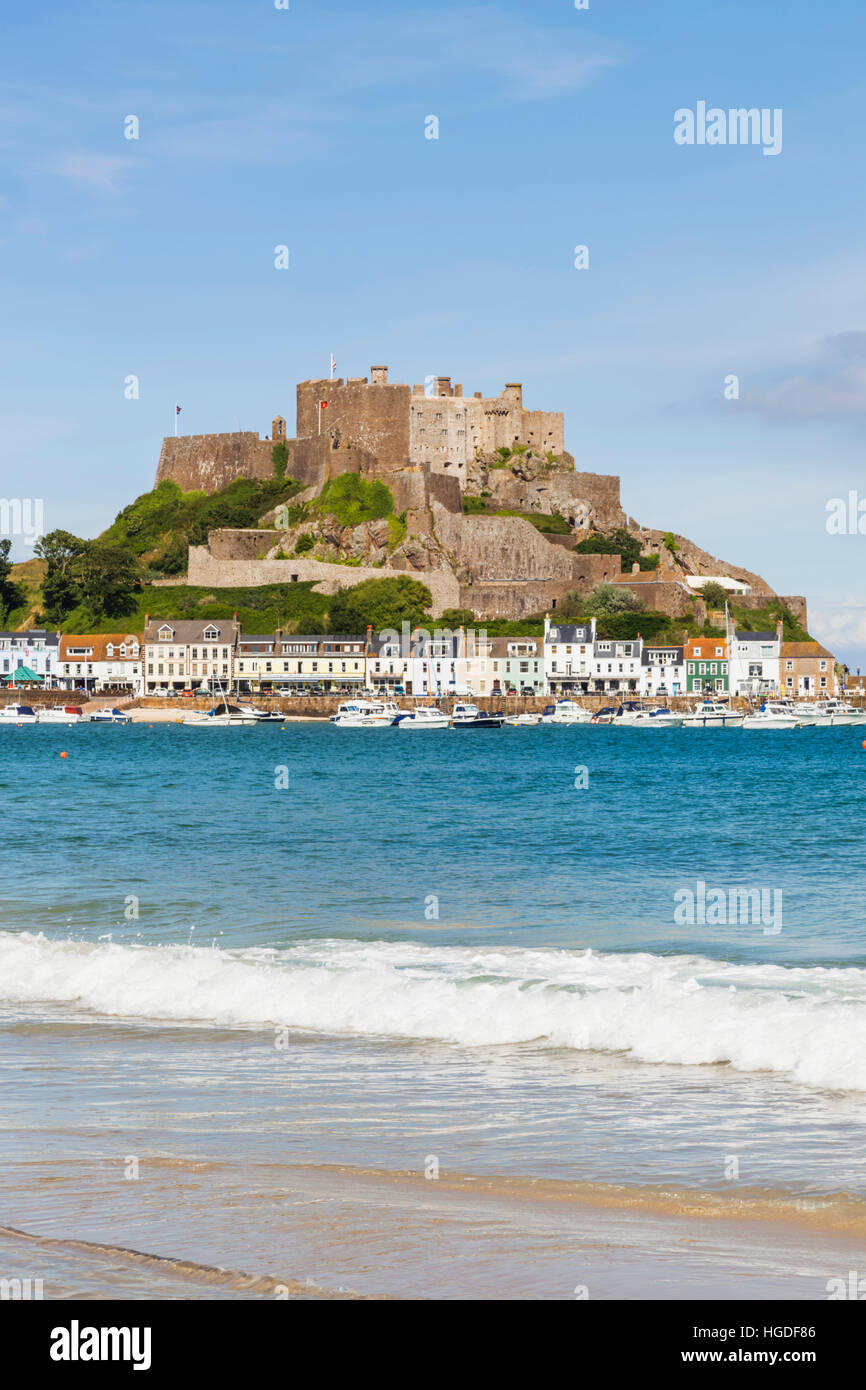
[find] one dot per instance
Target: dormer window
(211, 634)
(166, 634)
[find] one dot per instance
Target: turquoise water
(430, 944)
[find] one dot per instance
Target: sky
(306, 126)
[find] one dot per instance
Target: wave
(807, 1023)
(235, 1280)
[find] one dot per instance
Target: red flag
(323, 405)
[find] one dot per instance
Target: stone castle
(435, 447)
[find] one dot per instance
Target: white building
(663, 671)
(36, 650)
(754, 662)
(101, 661)
(568, 656)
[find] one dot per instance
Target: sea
(299, 1011)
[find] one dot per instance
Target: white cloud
(100, 173)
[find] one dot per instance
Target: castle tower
(278, 429)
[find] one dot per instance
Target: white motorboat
(220, 717)
(365, 714)
(262, 716)
(110, 716)
(712, 714)
(18, 714)
(830, 713)
(425, 717)
(656, 717)
(524, 721)
(566, 712)
(64, 714)
(771, 715)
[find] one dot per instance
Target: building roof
(33, 634)
(99, 642)
(704, 647)
(805, 649)
(756, 636)
(569, 632)
(649, 652)
(188, 630)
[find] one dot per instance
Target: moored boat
(712, 714)
(771, 715)
(566, 712)
(18, 714)
(64, 714)
(365, 714)
(465, 716)
(424, 717)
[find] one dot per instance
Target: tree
(610, 598)
(380, 603)
(108, 579)
(715, 595)
(60, 593)
(670, 542)
(619, 542)
(12, 595)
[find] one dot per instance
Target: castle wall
(373, 417)
(446, 430)
(501, 548)
(208, 462)
(210, 571)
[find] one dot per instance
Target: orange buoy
(864, 743)
(64, 755)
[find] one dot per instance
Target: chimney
(379, 376)
(477, 396)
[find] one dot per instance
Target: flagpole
(320, 417)
(175, 422)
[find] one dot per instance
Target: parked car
(187, 694)
(161, 693)
(399, 690)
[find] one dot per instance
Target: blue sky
(306, 127)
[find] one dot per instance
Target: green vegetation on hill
(381, 603)
(293, 607)
(352, 500)
(619, 542)
(159, 525)
(13, 595)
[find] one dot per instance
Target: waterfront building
(663, 671)
(755, 662)
(616, 666)
(101, 661)
(300, 663)
(35, 650)
(184, 654)
(807, 669)
(706, 661)
(517, 663)
(568, 656)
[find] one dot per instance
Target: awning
(23, 674)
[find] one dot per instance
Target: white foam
(809, 1023)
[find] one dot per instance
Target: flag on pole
(333, 365)
(323, 405)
